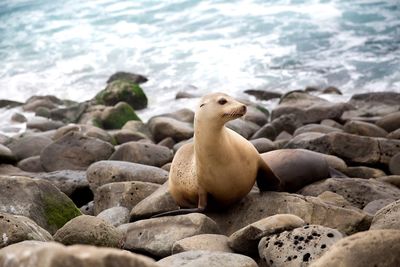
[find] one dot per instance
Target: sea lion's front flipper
(266, 178)
(336, 174)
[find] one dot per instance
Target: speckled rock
(210, 242)
(374, 206)
(115, 215)
(31, 164)
(391, 179)
(157, 236)
(124, 194)
(369, 248)
(158, 202)
(162, 127)
(89, 230)
(74, 151)
(357, 191)
(200, 258)
(29, 146)
(364, 128)
(388, 217)
(15, 228)
(298, 247)
(142, 153)
(245, 240)
(109, 171)
(51, 254)
(88, 208)
(37, 199)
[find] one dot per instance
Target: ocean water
(69, 48)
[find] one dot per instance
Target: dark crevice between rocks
(81, 196)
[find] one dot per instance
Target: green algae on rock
(116, 117)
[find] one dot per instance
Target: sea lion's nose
(244, 109)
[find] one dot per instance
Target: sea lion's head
(219, 108)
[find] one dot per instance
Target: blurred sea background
(70, 48)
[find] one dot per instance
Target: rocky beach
(79, 185)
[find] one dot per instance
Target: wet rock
(89, 230)
(72, 183)
(391, 179)
(331, 90)
(373, 206)
(364, 129)
(298, 247)
(311, 209)
(18, 117)
(16, 228)
(307, 108)
(390, 122)
(245, 240)
(42, 112)
(181, 94)
(122, 90)
(363, 172)
(28, 146)
(6, 155)
(263, 94)
(5, 103)
(163, 127)
(37, 199)
(115, 215)
(369, 248)
(210, 242)
(263, 145)
(132, 77)
(115, 117)
(125, 194)
(74, 151)
(244, 128)
(357, 191)
(256, 116)
(388, 217)
(200, 258)
(139, 128)
(86, 130)
(158, 202)
(52, 254)
(69, 114)
(43, 124)
(142, 153)
(394, 164)
(318, 128)
(31, 164)
(110, 171)
(157, 236)
(88, 209)
(47, 101)
(288, 123)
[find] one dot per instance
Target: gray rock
(86, 130)
(167, 142)
(69, 114)
(132, 77)
(332, 123)
(28, 146)
(31, 164)
(43, 124)
(125, 136)
(390, 122)
(388, 217)
(18, 117)
(207, 258)
(158, 202)
(284, 136)
(6, 155)
(88, 208)
(394, 135)
(298, 247)
(142, 153)
(369, 248)
(125, 194)
(115, 215)
(74, 151)
(256, 116)
(245, 240)
(162, 127)
(357, 191)
(336, 199)
(391, 179)
(185, 115)
(52, 254)
(263, 145)
(210, 242)
(47, 101)
(242, 127)
(37, 199)
(157, 236)
(16, 228)
(394, 164)
(288, 123)
(139, 128)
(89, 230)
(363, 172)
(110, 171)
(318, 128)
(263, 94)
(373, 206)
(364, 128)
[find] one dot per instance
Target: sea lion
(220, 165)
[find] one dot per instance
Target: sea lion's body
(220, 165)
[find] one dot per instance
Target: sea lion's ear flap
(266, 179)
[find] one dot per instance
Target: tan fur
(219, 163)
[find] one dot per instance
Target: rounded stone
(394, 164)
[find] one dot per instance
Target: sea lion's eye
(202, 105)
(222, 101)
